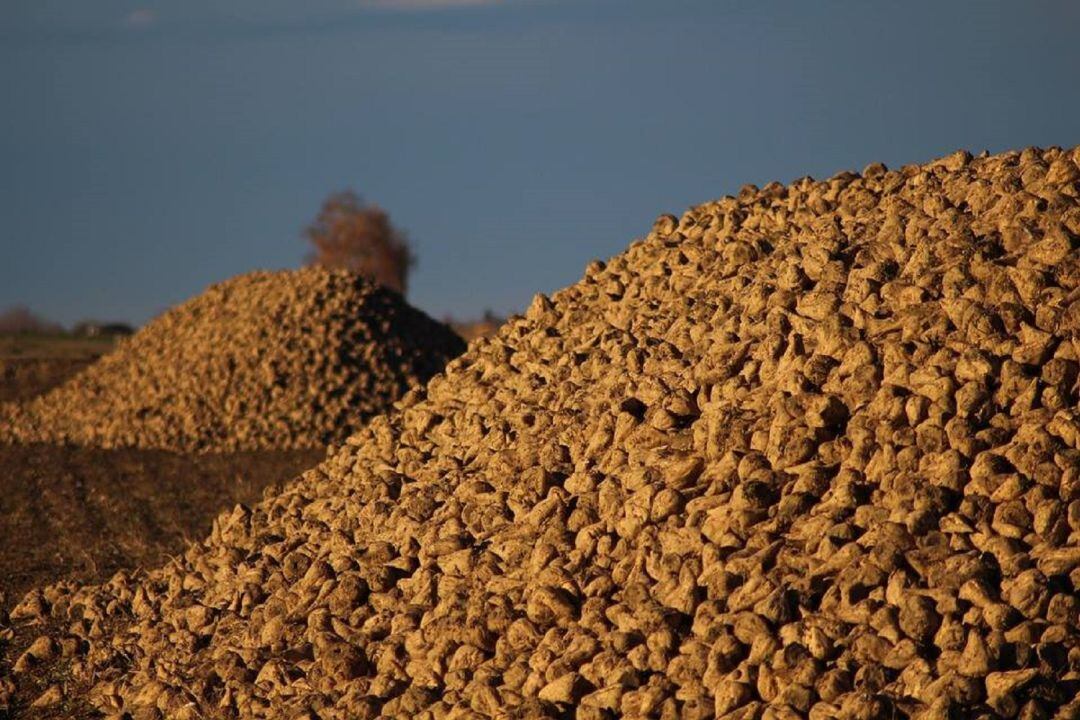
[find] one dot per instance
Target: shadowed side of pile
(809, 451)
(268, 360)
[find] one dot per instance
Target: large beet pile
(811, 451)
(283, 360)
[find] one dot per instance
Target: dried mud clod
(811, 451)
(283, 360)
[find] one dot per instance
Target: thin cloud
(140, 18)
(425, 4)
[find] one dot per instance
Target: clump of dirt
(282, 360)
(809, 451)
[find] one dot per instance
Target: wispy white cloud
(140, 18)
(425, 4)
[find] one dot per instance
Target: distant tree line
(20, 320)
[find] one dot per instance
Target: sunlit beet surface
(810, 451)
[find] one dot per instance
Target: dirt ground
(54, 347)
(85, 513)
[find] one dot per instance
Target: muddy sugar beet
(280, 360)
(812, 451)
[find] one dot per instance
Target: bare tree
(348, 233)
(19, 319)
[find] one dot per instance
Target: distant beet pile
(813, 451)
(280, 360)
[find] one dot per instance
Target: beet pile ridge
(811, 451)
(281, 360)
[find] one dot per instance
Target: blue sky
(148, 149)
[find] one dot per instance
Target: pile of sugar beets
(267, 360)
(811, 451)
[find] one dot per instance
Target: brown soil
(54, 347)
(83, 514)
(812, 451)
